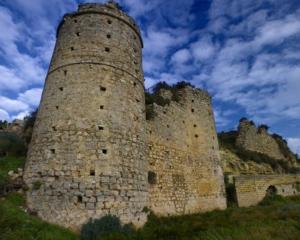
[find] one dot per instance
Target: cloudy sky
(246, 53)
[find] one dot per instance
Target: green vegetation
(106, 227)
(11, 145)
(16, 224)
(227, 141)
(155, 97)
(3, 124)
(7, 164)
(36, 185)
(28, 126)
(276, 218)
(12, 152)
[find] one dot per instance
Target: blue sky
(246, 53)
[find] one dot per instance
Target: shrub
(12, 145)
(36, 185)
(271, 199)
(108, 227)
(28, 126)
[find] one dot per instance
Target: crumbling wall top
(111, 9)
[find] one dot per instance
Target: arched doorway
(271, 191)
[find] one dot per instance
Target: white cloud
(21, 115)
(9, 80)
(294, 144)
(203, 49)
(181, 56)
(4, 115)
(31, 97)
(11, 105)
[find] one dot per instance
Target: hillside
(252, 150)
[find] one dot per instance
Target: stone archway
(271, 190)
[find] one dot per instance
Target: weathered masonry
(91, 144)
(251, 189)
(88, 149)
(184, 162)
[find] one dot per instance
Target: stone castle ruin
(258, 139)
(93, 152)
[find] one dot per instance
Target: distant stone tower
(88, 155)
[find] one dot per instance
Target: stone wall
(184, 162)
(92, 146)
(250, 190)
(87, 156)
(258, 140)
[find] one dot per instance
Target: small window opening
(213, 147)
(65, 72)
(61, 88)
(195, 125)
(104, 151)
(107, 49)
(193, 110)
(92, 172)
(164, 112)
(75, 21)
(52, 151)
(108, 36)
(100, 128)
(56, 177)
(137, 100)
(109, 21)
(103, 89)
(101, 107)
(79, 199)
(57, 107)
(193, 100)
(134, 84)
(72, 48)
(183, 121)
(54, 128)
(196, 135)
(152, 177)
(168, 126)
(78, 34)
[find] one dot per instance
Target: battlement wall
(251, 189)
(183, 156)
(258, 140)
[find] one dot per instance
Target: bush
(16, 224)
(12, 145)
(28, 126)
(271, 199)
(108, 227)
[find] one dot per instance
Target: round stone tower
(87, 157)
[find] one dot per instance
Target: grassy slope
(278, 220)
(16, 224)
(9, 163)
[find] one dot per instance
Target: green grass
(276, 218)
(16, 224)
(7, 164)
